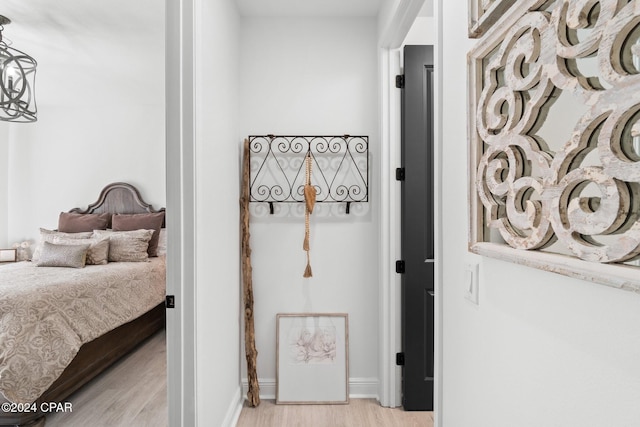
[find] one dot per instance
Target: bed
(103, 328)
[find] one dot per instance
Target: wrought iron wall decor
(340, 168)
(17, 82)
(566, 198)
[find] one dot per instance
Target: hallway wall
(217, 172)
(314, 76)
(540, 349)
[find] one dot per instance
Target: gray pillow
(50, 235)
(98, 253)
(53, 255)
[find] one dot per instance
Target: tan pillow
(71, 222)
(162, 242)
(146, 221)
(126, 246)
(48, 235)
(98, 253)
(63, 255)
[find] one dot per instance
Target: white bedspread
(47, 313)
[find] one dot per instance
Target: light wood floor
(358, 413)
(132, 393)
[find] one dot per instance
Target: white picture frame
(312, 358)
(8, 255)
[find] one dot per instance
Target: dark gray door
(417, 229)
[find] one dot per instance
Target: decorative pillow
(147, 221)
(98, 253)
(71, 222)
(162, 242)
(48, 236)
(126, 246)
(63, 255)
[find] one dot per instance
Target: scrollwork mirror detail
(555, 139)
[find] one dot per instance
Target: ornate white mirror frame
(484, 13)
(554, 139)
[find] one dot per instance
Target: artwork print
(313, 346)
(312, 358)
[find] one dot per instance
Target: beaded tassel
(309, 201)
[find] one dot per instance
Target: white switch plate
(471, 283)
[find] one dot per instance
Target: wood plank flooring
(132, 393)
(358, 413)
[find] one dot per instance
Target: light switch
(470, 285)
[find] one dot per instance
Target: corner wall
(313, 76)
(540, 349)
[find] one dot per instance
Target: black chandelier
(17, 82)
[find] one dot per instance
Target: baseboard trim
(267, 388)
(359, 388)
(233, 413)
(363, 388)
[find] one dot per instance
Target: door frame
(181, 193)
(181, 211)
(389, 283)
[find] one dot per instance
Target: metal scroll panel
(340, 168)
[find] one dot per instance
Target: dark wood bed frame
(97, 355)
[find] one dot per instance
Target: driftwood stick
(253, 393)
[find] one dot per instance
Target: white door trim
(181, 168)
(389, 286)
(391, 39)
(438, 215)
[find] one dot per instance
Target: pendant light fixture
(17, 82)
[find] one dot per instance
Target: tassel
(309, 197)
(307, 270)
(310, 200)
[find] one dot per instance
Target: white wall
(540, 349)
(217, 215)
(422, 32)
(306, 77)
(4, 182)
(100, 97)
(388, 9)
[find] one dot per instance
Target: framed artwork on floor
(312, 358)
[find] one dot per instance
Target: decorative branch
(253, 393)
